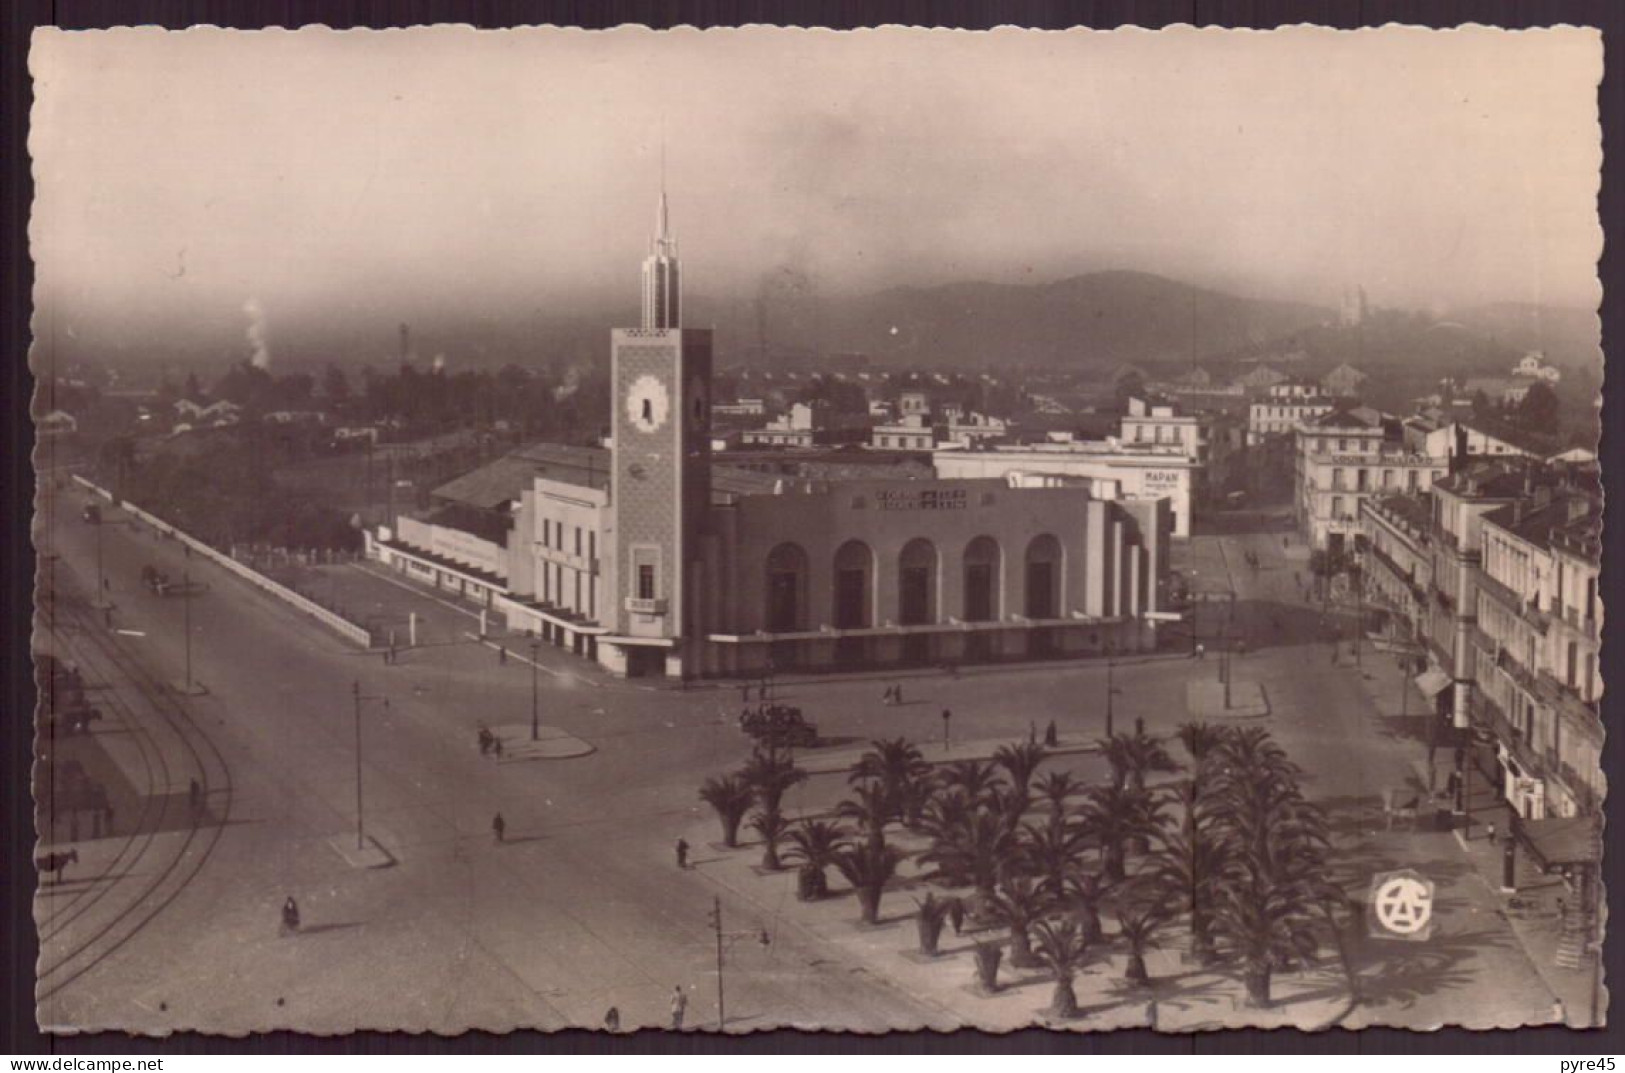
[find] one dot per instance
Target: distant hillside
(1092, 321)
(1571, 338)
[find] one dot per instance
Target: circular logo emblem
(1403, 904)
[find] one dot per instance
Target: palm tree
(1064, 949)
(869, 867)
(869, 808)
(933, 914)
(1188, 867)
(731, 798)
(1055, 789)
(1114, 816)
(1017, 903)
(1201, 741)
(1053, 855)
(1020, 762)
(974, 779)
(769, 774)
(771, 826)
(1140, 915)
(1133, 756)
(814, 844)
(1268, 909)
(902, 771)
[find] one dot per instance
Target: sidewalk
(1535, 921)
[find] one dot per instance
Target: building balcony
(1524, 608)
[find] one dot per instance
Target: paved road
(580, 910)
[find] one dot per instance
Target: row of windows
(578, 592)
(553, 537)
(788, 570)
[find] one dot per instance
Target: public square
(170, 920)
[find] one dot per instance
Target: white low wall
(350, 631)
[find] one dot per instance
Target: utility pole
(535, 658)
(186, 598)
(1111, 690)
(355, 691)
(101, 578)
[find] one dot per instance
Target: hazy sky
(202, 170)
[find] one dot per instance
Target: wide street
(581, 907)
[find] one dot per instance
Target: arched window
(1044, 561)
(983, 559)
(786, 589)
(917, 583)
(854, 586)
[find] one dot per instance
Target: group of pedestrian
(1251, 558)
(679, 1011)
(490, 744)
(893, 696)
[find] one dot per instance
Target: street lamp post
(946, 717)
(1359, 611)
(186, 604)
(535, 659)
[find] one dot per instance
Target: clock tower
(661, 488)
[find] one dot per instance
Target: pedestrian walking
(682, 853)
(1489, 833)
(194, 797)
(744, 692)
(1201, 651)
(499, 826)
(485, 741)
(1051, 736)
(897, 695)
(496, 746)
(886, 697)
(679, 1007)
(1032, 732)
(502, 654)
(612, 1019)
(290, 916)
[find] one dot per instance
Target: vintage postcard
(714, 531)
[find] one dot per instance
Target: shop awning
(1558, 842)
(1432, 682)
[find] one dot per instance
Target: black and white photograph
(715, 531)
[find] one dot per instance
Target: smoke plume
(258, 337)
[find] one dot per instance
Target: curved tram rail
(64, 961)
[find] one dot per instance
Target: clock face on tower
(647, 404)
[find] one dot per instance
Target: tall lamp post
(186, 604)
(535, 659)
(1111, 690)
(355, 692)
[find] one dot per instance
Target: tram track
(63, 961)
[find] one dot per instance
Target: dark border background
(18, 1034)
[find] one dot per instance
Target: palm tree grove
(1201, 845)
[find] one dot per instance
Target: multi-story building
(1283, 409)
(1537, 675)
(1494, 573)
(1203, 437)
(654, 560)
(1344, 457)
